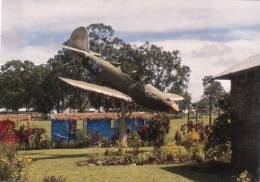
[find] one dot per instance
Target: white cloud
(36, 54)
(210, 58)
(128, 15)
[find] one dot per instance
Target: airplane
(113, 81)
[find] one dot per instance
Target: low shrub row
(169, 154)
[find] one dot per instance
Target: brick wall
(245, 93)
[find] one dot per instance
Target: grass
(63, 162)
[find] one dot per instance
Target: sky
(211, 35)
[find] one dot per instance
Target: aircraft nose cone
(79, 39)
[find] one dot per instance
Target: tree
(213, 91)
(12, 87)
(61, 95)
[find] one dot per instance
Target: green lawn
(63, 162)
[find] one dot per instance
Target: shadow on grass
(203, 172)
(62, 156)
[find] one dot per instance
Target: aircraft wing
(173, 97)
(97, 88)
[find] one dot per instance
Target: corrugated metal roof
(15, 117)
(250, 63)
(105, 115)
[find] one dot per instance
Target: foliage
(40, 138)
(11, 165)
(95, 140)
(213, 91)
(53, 179)
(24, 136)
(244, 176)
(7, 132)
(219, 142)
(82, 138)
(35, 138)
(135, 142)
(156, 131)
(171, 152)
(193, 137)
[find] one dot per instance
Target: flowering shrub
(193, 137)
(219, 141)
(155, 132)
(244, 176)
(39, 138)
(24, 136)
(171, 152)
(11, 165)
(7, 132)
(35, 138)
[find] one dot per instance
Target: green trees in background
(213, 92)
(23, 84)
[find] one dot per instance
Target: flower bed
(139, 159)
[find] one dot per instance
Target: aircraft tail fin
(79, 39)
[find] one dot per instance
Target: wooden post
(188, 113)
(122, 130)
(196, 118)
(210, 113)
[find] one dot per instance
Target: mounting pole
(122, 129)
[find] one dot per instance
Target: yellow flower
(194, 135)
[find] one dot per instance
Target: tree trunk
(122, 130)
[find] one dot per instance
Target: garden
(178, 150)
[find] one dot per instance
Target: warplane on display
(113, 81)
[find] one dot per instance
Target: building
(245, 115)
(106, 124)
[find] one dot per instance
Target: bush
(7, 134)
(6, 168)
(144, 158)
(178, 138)
(172, 153)
(218, 145)
(135, 142)
(82, 138)
(95, 140)
(39, 136)
(197, 151)
(35, 138)
(11, 165)
(24, 136)
(156, 131)
(244, 176)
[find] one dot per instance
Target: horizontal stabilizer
(173, 97)
(97, 88)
